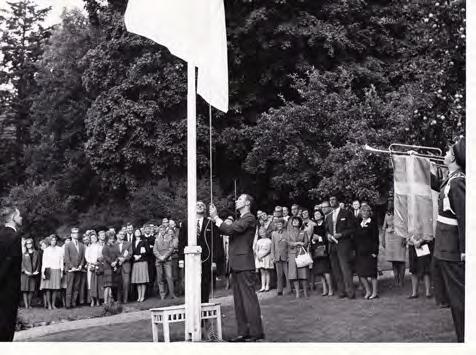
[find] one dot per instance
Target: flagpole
(192, 251)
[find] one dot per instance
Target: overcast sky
(57, 7)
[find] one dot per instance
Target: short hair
(294, 205)
(278, 208)
(305, 209)
(366, 207)
(250, 199)
(6, 212)
(110, 234)
(299, 219)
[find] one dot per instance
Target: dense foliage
(311, 82)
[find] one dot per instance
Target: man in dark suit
(10, 271)
(242, 263)
(74, 262)
(340, 225)
(125, 248)
(212, 251)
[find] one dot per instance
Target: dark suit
(341, 253)
(242, 263)
(73, 258)
(10, 274)
(208, 244)
(125, 271)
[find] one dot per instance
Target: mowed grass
(390, 318)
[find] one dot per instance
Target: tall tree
(21, 44)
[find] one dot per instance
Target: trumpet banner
(414, 201)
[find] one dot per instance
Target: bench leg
(165, 325)
(155, 332)
(219, 333)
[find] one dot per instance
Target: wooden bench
(175, 314)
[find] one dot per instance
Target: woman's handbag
(304, 259)
(319, 252)
(47, 273)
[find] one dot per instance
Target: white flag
(193, 30)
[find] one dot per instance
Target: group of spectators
(104, 265)
(343, 241)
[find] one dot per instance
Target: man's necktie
(198, 227)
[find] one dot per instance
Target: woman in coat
(140, 271)
(367, 244)
(395, 247)
(320, 254)
(30, 269)
(112, 271)
(297, 239)
(93, 256)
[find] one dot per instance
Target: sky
(57, 7)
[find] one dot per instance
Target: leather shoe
(253, 339)
(239, 339)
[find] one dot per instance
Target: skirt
(264, 263)
(321, 266)
(420, 265)
(394, 250)
(28, 283)
(97, 286)
(111, 278)
(54, 281)
(366, 266)
(295, 273)
(140, 273)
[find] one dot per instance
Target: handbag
(319, 252)
(47, 273)
(304, 259)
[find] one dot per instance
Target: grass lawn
(390, 318)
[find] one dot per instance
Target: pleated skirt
(140, 273)
(54, 281)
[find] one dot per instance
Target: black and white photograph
(234, 171)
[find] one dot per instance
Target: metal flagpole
(193, 264)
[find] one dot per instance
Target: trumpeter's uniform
(450, 239)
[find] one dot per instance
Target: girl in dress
(262, 249)
(140, 271)
(297, 239)
(395, 247)
(51, 270)
(30, 269)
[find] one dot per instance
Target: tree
(21, 45)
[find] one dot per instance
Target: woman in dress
(51, 270)
(262, 249)
(367, 244)
(140, 271)
(395, 247)
(112, 271)
(297, 239)
(320, 254)
(420, 266)
(92, 254)
(43, 245)
(30, 269)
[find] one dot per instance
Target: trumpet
(399, 149)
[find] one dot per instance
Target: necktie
(120, 247)
(198, 227)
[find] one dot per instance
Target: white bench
(175, 314)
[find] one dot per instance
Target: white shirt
(52, 258)
(335, 213)
(92, 253)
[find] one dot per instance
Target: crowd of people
(103, 266)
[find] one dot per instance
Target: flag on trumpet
(413, 198)
(193, 30)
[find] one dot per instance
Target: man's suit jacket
(10, 275)
(279, 246)
(345, 224)
(204, 240)
(72, 257)
(241, 233)
(126, 265)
